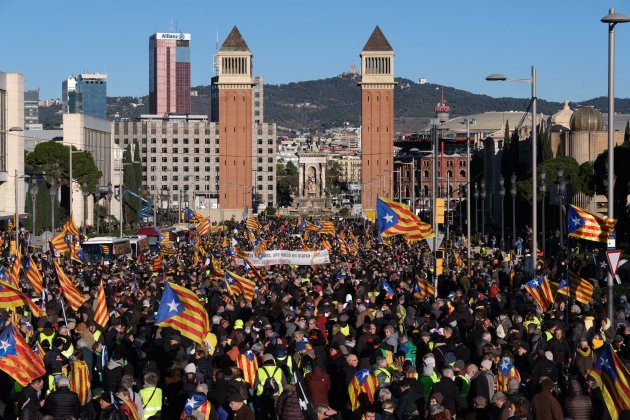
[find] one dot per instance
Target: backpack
(501, 326)
(271, 386)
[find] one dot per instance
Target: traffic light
(450, 218)
(439, 210)
(439, 266)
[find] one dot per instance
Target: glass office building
(169, 73)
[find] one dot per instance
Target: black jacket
(450, 394)
(411, 403)
(27, 403)
(62, 403)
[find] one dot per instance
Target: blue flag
(170, 305)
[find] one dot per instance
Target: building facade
(169, 73)
(11, 145)
(85, 94)
(377, 118)
(31, 109)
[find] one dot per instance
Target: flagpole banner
(280, 257)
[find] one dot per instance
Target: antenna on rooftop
(216, 50)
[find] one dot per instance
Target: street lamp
(86, 194)
(477, 208)
(513, 193)
(53, 195)
(468, 124)
(561, 189)
(483, 210)
(532, 81)
(612, 20)
(462, 192)
(543, 192)
(502, 195)
(70, 184)
(34, 191)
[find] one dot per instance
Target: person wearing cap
(544, 404)
(62, 402)
(239, 409)
(109, 411)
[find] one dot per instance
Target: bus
(153, 235)
(105, 249)
(139, 244)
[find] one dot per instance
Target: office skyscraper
(31, 108)
(169, 73)
(85, 94)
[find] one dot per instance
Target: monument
(312, 178)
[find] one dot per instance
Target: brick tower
(232, 109)
(377, 119)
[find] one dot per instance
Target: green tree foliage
(575, 175)
(547, 154)
(334, 185)
(286, 183)
(132, 180)
(53, 158)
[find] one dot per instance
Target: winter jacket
(577, 406)
(288, 405)
(411, 403)
(449, 391)
(62, 403)
(27, 403)
(113, 375)
(318, 384)
(546, 407)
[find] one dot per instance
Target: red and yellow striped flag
(12, 297)
(34, 276)
(70, 227)
(15, 267)
(576, 287)
(59, 242)
(80, 380)
(237, 285)
(181, 309)
(363, 383)
(17, 359)
(73, 296)
(249, 365)
(584, 225)
(157, 263)
(101, 314)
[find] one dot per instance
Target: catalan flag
(105, 249)
(16, 266)
(59, 243)
(576, 287)
(128, 408)
(101, 314)
(423, 289)
(253, 224)
(326, 244)
(181, 309)
(397, 219)
(389, 292)
(80, 380)
(216, 267)
(157, 263)
(506, 371)
(362, 388)
(76, 253)
(33, 275)
(344, 248)
(540, 289)
(585, 225)
(167, 248)
(459, 262)
(260, 247)
(326, 227)
(238, 285)
(203, 227)
(197, 402)
(70, 227)
(17, 359)
(73, 296)
(39, 351)
(12, 297)
(613, 378)
(248, 363)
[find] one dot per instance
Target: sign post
(613, 256)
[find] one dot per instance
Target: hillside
(331, 102)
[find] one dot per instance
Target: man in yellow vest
(269, 378)
(151, 396)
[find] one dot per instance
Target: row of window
(449, 163)
(185, 159)
(196, 169)
(185, 150)
(198, 187)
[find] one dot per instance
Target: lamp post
(483, 210)
(34, 191)
(532, 81)
(476, 208)
(53, 195)
(561, 189)
(70, 184)
(121, 195)
(543, 192)
(502, 195)
(513, 193)
(86, 194)
(166, 197)
(468, 123)
(462, 192)
(612, 19)
(108, 196)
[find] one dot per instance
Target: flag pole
(63, 309)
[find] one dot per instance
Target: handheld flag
(237, 285)
(157, 263)
(584, 225)
(16, 266)
(540, 289)
(397, 219)
(362, 384)
(58, 242)
(73, 296)
(70, 227)
(248, 363)
(12, 297)
(80, 380)
(576, 287)
(389, 292)
(17, 359)
(253, 224)
(181, 309)
(197, 402)
(33, 275)
(423, 289)
(506, 372)
(613, 378)
(101, 314)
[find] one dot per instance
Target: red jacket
(318, 385)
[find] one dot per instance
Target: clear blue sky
(450, 42)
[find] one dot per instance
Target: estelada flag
(17, 359)
(576, 287)
(238, 285)
(157, 263)
(613, 378)
(249, 365)
(80, 380)
(540, 289)
(73, 296)
(423, 289)
(33, 275)
(396, 218)
(15, 267)
(506, 371)
(12, 297)
(362, 385)
(181, 309)
(584, 225)
(59, 243)
(101, 314)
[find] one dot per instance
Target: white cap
(190, 368)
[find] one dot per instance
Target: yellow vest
(345, 330)
(152, 405)
(387, 374)
(43, 337)
(265, 372)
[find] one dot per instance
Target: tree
(547, 154)
(286, 183)
(132, 182)
(626, 134)
(574, 174)
(53, 158)
(333, 178)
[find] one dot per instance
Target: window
(259, 151)
(270, 150)
(164, 141)
(175, 150)
(186, 150)
(269, 168)
(206, 159)
(175, 159)
(216, 150)
(185, 141)
(206, 150)
(152, 178)
(207, 169)
(144, 150)
(259, 160)
(270, 141)
(175, 178)
(270, 187)
(144, 140)
(164, 159)
(164, 168)
(196, 159)
(207, 141)
(270, 160)
(164, 178)
(186, 168)
(186, 159)
(153, 150)
(164, 150)
(260, 141)
(153, 140)
(196, 141)
(175, 141)
(270, 178)
(196, 149)
(462, 173)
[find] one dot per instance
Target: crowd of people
(318, 342)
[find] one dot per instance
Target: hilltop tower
(377, 119)
(232, 109)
